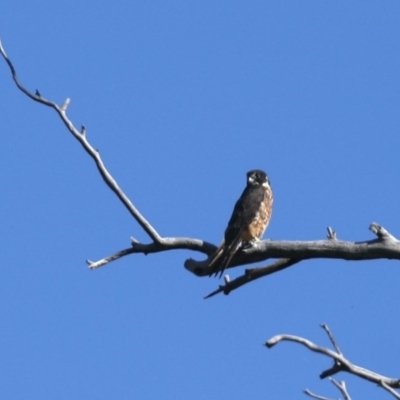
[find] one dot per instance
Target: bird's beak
(251, 179)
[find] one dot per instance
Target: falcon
(250, 218)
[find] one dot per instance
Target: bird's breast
(259, 223)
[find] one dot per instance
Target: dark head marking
(257, 177)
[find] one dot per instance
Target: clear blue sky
(182, 98)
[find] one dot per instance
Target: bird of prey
(250, 218)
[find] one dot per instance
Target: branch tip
(313, 395)
(66, 104)
(83, 130)
(253, 274)
(331, 233)
(271, 342)
(37, 93)
(220, 289)
(342, 388)
(325, 327)
(381, 232)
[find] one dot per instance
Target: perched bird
(250, 218)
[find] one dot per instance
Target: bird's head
(257, 177)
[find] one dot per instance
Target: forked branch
(340, 362)
(341, 386)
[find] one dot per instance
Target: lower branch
(341, 363)
(251, 275)
(341, 386)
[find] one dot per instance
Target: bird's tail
(216, 256)
(223, 257)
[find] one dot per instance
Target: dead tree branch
(339, 385)
(251, 275)
(342, 387)
(159, 243)
(165, 244)
(256, 273)
(385, 246)
(291, 252)
(341, 363)
(81, 137)
(315, 396)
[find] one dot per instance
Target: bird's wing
(233, 239)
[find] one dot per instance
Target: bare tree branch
(81, 137)
(266, 249)
(341, 364)
(256, 273)
(385, 246)
(340, 385)
(164, 245)
(390, 390)
(159, 243)
(251, 275)
(288, 252)
(291, 252)
(331, 338)
(315, 396)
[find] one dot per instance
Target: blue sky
(182, 98)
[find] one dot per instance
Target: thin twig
(331, 338)
(331, 233)
(342, 387)
(339, 385)
(315, 396)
